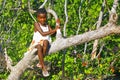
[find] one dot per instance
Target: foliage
(16, 27)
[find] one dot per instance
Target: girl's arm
(37, 28)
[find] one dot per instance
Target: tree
(109, 28)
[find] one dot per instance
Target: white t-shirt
(37, 37)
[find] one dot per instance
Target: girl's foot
(45, 73)
(39, 65)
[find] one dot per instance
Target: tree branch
(113, 15)
(8, 61)
(22, 65)
(95, 45)
(31, 11)
(65, 7)
(86, 37)
(43, 4)
(62, 43)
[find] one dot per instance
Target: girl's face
(42, 18)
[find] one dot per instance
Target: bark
(95, 44)
(112, 19)
(62, 43)
(22, 65)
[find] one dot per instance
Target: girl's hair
(41, 11)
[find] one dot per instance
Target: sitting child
(41, 36)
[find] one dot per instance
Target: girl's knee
(39, 46)
(45, 43)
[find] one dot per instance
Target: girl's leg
(41, 58)
(40, 55)
(45, 46)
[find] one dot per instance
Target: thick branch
(53, 13)
(86, 37)
(18, 69)
(62, 43)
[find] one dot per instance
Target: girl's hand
(57, 27)
(58, 22)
